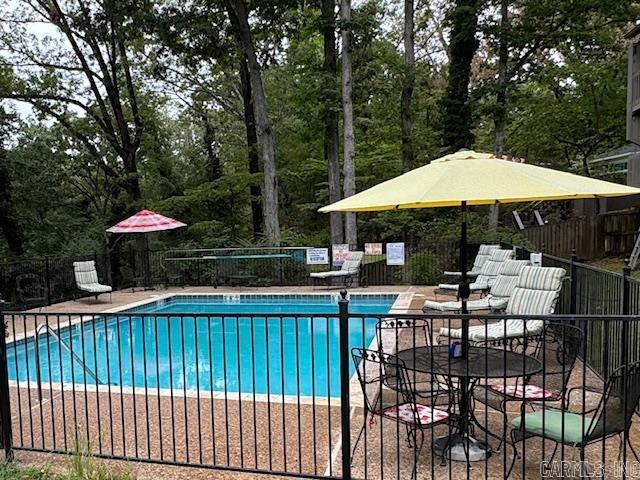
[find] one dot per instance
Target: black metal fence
(337, 394)
(38, 282)
(43, 281)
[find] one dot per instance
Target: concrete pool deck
(237, 431)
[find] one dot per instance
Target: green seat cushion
(553, 425)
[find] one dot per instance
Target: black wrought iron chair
(30, 290)
(376, 372)
(172, 274)
(557, 348)
(618, 403)
(394, 334)
(128, 278)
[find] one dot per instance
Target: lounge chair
(536, 293)
(350, 269)
(87, 279)
(483, 255)
(497, 298)
(487, 276)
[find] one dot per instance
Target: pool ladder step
(52, 332)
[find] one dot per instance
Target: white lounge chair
(350, 269)
(87, 279)
(536, 293)
(487, 276)
(483, 255)
(497, 298)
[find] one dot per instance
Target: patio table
(480, 363)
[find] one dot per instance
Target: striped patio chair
(536, 293)
(497, 298)
(87, 279)
(487, 276)
(483, 255)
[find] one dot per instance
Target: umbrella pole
(463, 288)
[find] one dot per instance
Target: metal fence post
(47, 279)
(574, 283)
(5, 401)
(345, 414)
(626, 273)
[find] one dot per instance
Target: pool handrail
(74, 355)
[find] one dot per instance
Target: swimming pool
(250, 344)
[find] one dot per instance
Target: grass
(613, 265)
(80, 467)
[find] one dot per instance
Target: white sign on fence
(395, 253)
(317, 256)
(373, 249)
(340, 252)
(536, 259)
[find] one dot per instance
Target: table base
(458, 448)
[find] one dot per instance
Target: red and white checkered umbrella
(146, 221)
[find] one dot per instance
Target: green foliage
(424, 268)
(566, 102)
(81, 467)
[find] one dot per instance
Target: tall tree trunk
(252, 147)
(500, 115)
(239, 16)
(407, 87)
(214, 169)
(463, 19)
(331, 129)
(8, 223)
(350, 227)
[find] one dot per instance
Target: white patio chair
(87, 279)
(488, 274)
(497, 298)
(483, 255)
(349, 270)
(536, 293)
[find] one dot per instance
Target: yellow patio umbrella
(473, 178)
(477, 179)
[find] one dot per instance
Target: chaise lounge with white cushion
(87, 278)
(350, 269)
(536, 293)
(497, 298)
(488, 274)
(483, 255)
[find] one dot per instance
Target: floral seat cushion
(525, 391)
(422, 413)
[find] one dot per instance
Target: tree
(463, 44)
(252, 146)
(349, 160)
(500, 114)
(90, 72)
(407, 87)
(239, 16)
(331, 129)
(8, 222)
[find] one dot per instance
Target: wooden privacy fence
(594, 237)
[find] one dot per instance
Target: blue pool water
(152, 348)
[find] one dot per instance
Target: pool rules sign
(317, 256)
(395, 253)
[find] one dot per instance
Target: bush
(424, 268)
